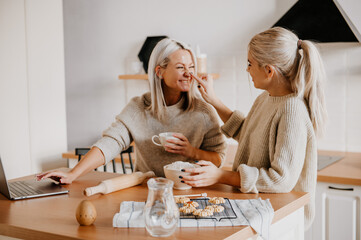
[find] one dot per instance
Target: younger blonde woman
(277, 147)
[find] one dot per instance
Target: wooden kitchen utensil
(118, 183)
(192, 195)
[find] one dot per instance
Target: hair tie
(299, 42)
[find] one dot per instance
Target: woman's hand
(93, 159)
(180, 146)
(205, 86)
(208, 174)
(58, 176)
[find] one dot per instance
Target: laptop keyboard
(20, 188)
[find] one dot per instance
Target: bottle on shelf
(201, 61)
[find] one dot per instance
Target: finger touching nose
(187, 72)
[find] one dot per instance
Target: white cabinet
(289, 227)
(338, 212)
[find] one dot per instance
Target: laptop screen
(4, 188)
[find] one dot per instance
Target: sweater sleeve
(286, 163)
(117, 137)
(232, 127)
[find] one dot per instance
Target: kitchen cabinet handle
(343, 189)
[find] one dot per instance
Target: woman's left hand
(180, 146)
(208, 174)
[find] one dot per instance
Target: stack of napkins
(256, 213)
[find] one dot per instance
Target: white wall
(351, 9)
(100, 37)
(32, 86)
(343, 66)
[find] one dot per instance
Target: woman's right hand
(58, 176)
(93, 159)
(205, 86)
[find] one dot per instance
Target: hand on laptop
(93, 159)
(58, 176)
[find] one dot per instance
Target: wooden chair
(127, 151)
(80, 152)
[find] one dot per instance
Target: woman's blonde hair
(299, 62)
(160, 57)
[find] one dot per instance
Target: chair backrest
(82, 151)
(127, 151)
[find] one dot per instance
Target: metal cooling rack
(228, 212)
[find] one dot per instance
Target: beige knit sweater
(137, 124)
(277, 150)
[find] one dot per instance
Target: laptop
(28, 188)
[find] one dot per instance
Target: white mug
(163, 137)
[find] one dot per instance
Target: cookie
(210, 208)
(205, 213)
(197, 212)
(217, 200)
(186, 209)
(218, 208)
(210, 213)
(192, 204)
(181, 199)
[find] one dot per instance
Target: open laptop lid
(4, 188)
(44, 188)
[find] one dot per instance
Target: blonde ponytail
(309, 81)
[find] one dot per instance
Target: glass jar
(161, 213)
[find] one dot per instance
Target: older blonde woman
(171, 105)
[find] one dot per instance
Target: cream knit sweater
(277, 150)
(137, 124)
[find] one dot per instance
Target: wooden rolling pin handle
(101, 188)
(148, 174)
(118, 183)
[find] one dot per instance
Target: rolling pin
(118, 183)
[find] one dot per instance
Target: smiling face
(176, 75)
(258, 74)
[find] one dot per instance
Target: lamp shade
(147, 48)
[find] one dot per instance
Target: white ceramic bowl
(174, 174)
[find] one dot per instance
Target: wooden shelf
(145, 76)
(134, 76)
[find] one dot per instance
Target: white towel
(256, 213)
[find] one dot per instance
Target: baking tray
(228, 212)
